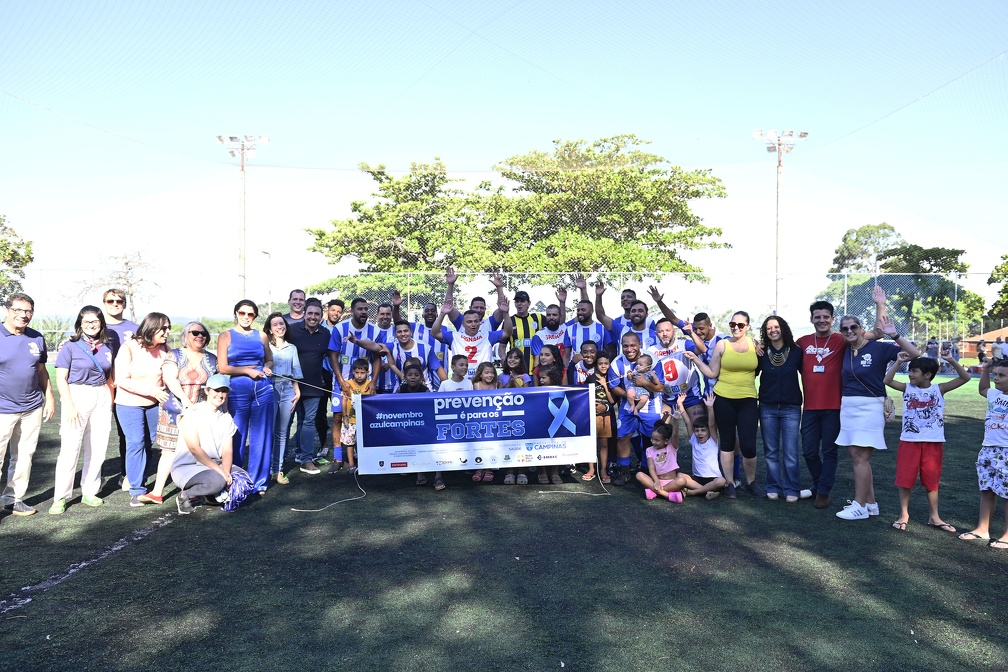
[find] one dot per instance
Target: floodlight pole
(783, 142)
(269, 282)
(239, 147)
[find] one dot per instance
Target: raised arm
(446, 308)
(561, 294)
(450, 278)
(599, 308)
(507, 327)
(964, 376)
(396, 305)
(708, 401)
(889, 329)
(681, 405)
(890, 376)
(582, 285)
(985, 378)
(657, 297)
(712, 370)
(501, 314)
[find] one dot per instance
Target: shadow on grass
(505, 577)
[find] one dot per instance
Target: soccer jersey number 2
(471, 352)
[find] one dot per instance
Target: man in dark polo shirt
(312, 342)
(26, 397)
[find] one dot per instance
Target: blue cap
(218, 381)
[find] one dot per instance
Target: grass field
(498, 577)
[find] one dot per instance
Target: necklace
(855, 348)
(778, 357)
(819, 351)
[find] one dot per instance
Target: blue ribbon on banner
(560, 418)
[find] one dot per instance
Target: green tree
(15, 254)
(605, 206)
(999, 309)
(860, 248)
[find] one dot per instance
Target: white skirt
(862, 422)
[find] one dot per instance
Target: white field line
(24, 596)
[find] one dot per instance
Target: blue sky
(108, 112)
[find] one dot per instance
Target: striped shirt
(524, 329)
(428, 359)
(576, 334)
(350, 352)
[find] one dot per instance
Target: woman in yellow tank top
(734, 364)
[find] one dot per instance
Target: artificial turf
(488, 577)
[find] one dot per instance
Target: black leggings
(204, 484)
(737, 416)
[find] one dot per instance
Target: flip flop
(557, 480)
(605, 478)
(1000, 545)
(972, 536)
(588, 477)
(944, 527)
(439, 484)
(901, 525)
(421, 480)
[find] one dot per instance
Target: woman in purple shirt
(84, 381)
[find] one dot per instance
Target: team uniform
(385, 381)
(524, 329)
(423, 334)
(577, 373)
(487, 324)
(476, 349)
(678, 374)
(648, 338)
(575, 334)
(547, 337)
(425, 353)
(350, 352)
(621, 375)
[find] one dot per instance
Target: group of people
(227, 416)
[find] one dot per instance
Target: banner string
(349, 499)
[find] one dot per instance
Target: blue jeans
(307, 409)
(283, 392)
(140, 427)
(821, 428)
(780, 427)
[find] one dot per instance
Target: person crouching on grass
(703, 436)
(203, 455)
(663, 477)
(992, 462)
(923, 437)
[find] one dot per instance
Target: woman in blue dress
(244, 354)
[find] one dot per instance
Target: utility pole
(242, 148)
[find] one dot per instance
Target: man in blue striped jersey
(343, 353)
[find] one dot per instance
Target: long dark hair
(89, 310)
(520, 370)
(150, 325)
(785, 332)
(269, 321)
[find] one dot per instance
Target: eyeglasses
(115, 302)
(243, 313)
(199, 334)
(851, 328)
(737, 325)
(90, 323)
(27, 312)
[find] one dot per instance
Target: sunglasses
(114, 302)
(737, 325)
(199, 334)
(166, 327)
(853, 327)
(242, 313)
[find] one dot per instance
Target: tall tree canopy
(605, 206)
(1000, 275)
(860, 248)
(15, 254)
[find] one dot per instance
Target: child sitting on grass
(923, 437)
(703, 436)
(992, 462)
(663, 478)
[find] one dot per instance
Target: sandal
(557, 480)
(488, 476)
(901, 525)
(973, 536)
(999, 545)
(439, 484)
(421, 480)
(588, 477)
(543, 478)
(477, 476)
(944, 527)
(604, 477)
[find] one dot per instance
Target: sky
(109, 112)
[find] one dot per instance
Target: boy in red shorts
(923, 437)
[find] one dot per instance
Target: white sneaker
(772, 496)
(872, 509)
(853, 511)
(805, 494)
(124, 484)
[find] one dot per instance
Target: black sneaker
(623, 478)
(184, 504)
(729, 491)
(755, 490)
